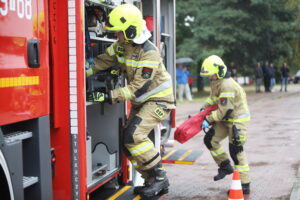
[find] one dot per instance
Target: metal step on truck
(53, 143)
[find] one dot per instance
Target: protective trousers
(139, 148)
(236, 134)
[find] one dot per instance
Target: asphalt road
(272, 148)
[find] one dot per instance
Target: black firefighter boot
(224, 169)
(139, 189)
(158, 183)
(246, 188)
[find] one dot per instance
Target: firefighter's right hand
(99, 97)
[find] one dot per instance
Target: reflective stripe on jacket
(144, 70)
(228, 95)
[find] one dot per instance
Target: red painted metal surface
(81, 97)
(20, 100)
(125, 168)
(60, 129)
(173, 118)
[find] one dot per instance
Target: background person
(258, 76)
(272, 77)
(182, 75)
(284, 76)
(266, 72)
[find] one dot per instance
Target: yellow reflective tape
(226, 94)
(121, 59)
(242, 138)
(138, 64)
(214, 98)
(111, 51)
(162, 93)
(215, 116)
(209, 101)
(240, 119)
(115, 196)
(168, 155)
(141, 148)
(19, 81)
(143, 63)
(126, 93)
(140, 145)
(135, 164)
(217, 152)
(242, 168)
(185, 155)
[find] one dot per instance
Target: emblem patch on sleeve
(160, 113)
(223, 101)
(146, 72)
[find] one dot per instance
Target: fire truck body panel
(26, 87)
(68, 99)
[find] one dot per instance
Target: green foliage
(243, 31)
(295, 44)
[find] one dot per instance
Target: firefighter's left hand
(100, 97)
(205, 124)
(89, 72)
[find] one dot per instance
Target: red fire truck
(53, 143)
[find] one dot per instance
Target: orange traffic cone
(236, 192)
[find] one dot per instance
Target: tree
(243, 31)
(295, 59)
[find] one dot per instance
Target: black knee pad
(208, 137)
(234, 150)
(128, 134)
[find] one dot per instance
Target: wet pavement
(272, 149)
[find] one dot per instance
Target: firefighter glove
(88, 67)
(205, 124)
(100, 97)
(89, 72)
(114, 71)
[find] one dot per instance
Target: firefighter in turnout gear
(229, 120)
(149, 88)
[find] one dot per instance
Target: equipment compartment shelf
(98, 2)
(102, 39)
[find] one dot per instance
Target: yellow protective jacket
(230, 98)
(147, 77)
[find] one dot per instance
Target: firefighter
(149, 88)
(229, 120)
